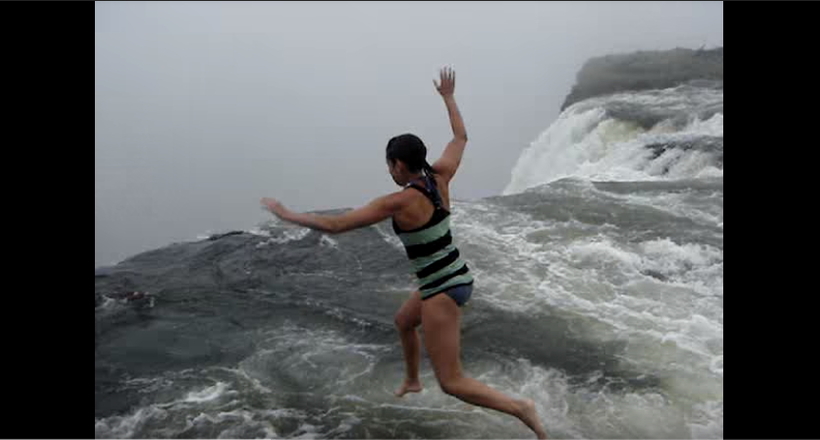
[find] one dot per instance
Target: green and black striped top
(434, 257)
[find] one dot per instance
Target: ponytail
(428, 170)
(430, 173)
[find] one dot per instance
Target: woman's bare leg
(407, 319)
(441, 321)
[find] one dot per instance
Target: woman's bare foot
(529, 416)
(409, 386)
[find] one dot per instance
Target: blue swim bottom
(460, 294)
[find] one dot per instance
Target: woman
(421, 218)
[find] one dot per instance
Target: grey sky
(204, 107)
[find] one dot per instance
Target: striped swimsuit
(434, 257)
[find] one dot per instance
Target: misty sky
(202, 108)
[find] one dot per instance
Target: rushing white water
(587, 142)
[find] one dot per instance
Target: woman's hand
(275, 207)
(447, 84)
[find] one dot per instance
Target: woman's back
(419, 210)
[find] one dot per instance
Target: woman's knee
(408, 317)
(449, 385)
(404, 322)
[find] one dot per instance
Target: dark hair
(409, 149)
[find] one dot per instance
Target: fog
(202, 108)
